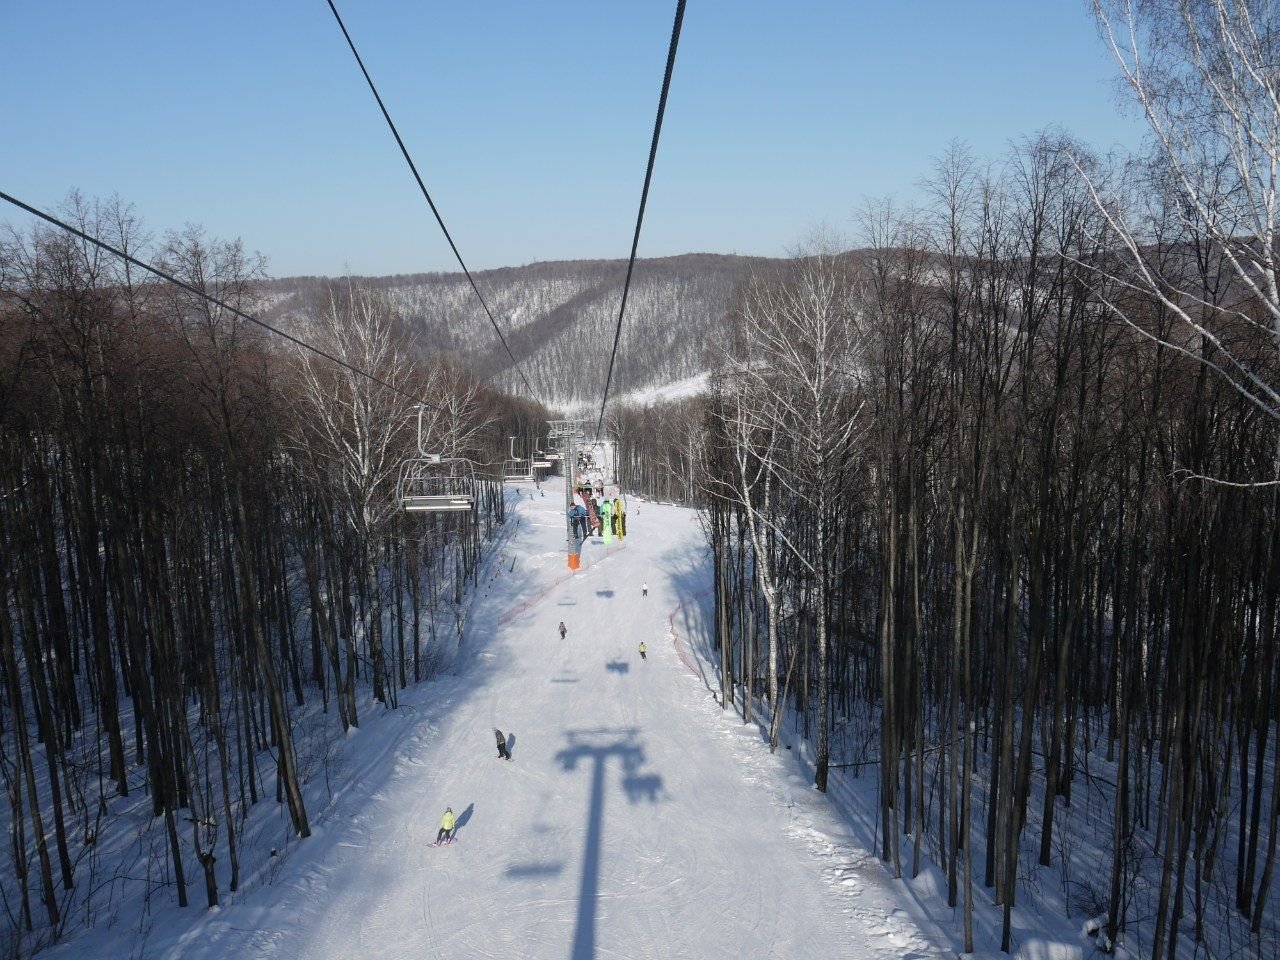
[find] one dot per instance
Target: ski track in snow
(637, 820)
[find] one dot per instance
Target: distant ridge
(558, 317)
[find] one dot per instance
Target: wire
(644, 198)
(423, 187)
(49, 218)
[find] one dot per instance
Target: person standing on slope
(642, 650)
(644, 589)
(447, 823)
(563, 629)
(503, 752)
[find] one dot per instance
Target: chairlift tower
(566, 436)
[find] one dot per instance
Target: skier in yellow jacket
(447, 823)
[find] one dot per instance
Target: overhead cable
(102, 244)
(427, 196)
(644, 197)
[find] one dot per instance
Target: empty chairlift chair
(515, 470)
(433, 484)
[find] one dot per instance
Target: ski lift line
(644, 198)
(427, 196)
(102, 244)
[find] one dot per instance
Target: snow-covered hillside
(636, 820)
(559, 319)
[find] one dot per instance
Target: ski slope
(636, 820)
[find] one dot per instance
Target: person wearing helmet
(643, 649)
(447, 823)
(563, 629)
(503, 752)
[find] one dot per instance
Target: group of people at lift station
(449, 822)
(598, 516)
(593, 514)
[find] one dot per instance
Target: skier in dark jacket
(563, 629)
(503, 752)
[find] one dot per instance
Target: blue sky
(530, 121)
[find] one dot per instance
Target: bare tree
(1203, 73)
(219, 343)
(752, 439)
(357, 432)
(801, 349)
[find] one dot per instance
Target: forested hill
(559, 318)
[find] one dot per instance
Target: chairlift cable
(644, 198)
(102, 244)
(427, 196)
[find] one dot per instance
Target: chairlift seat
(516, 471)
(432, 484)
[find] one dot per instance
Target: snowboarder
(563, 629)
(503, 752)
(447, 823)
(642, 650)
(644, 589)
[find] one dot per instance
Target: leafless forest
(951, 495)
(561, 319)
(201, 549)
(993, 504)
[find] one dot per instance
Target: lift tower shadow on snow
(598, 747)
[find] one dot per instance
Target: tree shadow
(597, 748)
(618, 666)
(604, 593)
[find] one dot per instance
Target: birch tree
(358, 432)
(801, 350)
(753, 444)
(1203, 74)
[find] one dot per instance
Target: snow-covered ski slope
(635, 821)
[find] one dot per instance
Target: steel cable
(102, 244)
(644, 198)
(427, 196)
